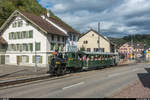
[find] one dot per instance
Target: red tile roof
(63, 25)
(43, 24)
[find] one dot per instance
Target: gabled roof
(49, 28)
(41, 23)
(63, 25)
(98, 34)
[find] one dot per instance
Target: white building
(31, 38)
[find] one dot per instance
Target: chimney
(43, 17)
(48, 14)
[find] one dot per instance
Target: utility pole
(99, 37)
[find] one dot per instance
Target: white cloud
(118, 17)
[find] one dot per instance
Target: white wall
(37, 36)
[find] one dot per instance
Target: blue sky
(118, 17)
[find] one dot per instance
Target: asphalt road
(91, 84)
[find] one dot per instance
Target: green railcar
(90, 60)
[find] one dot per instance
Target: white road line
(116, 74)
(81, 83)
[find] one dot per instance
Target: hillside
(7, 7)
(143, 38)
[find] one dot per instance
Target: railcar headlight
(57, 63)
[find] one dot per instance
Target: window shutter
(27, 34)
(20, 47)
(33, 59)
(9, 36)
(21, 35)
(41, 59)
(30, 34)
(8, 47)
(20, 58)
(15, 35)
(31, 47)
(14, 47)
(27, 59)
(26, 47)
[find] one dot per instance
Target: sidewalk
(140, 89)
(126, 62)
(10, 72)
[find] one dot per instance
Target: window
(37, 47)
(58, 38)
(92, 34)
(25, 59)
(85, 42)
(12, 35)
(24, 47)
(27, 34)
(52, 37)
(31, 34)
(70, 37)
(17, 47)
(30, 47)
(88, 49)
(95, 49)
(15, 24)
(12, 47)
(20, 23)
(63, 39)
(18, 36)
(97, 41)
(24, 34)
(52, 46)
(74, 38)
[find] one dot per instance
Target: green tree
(82, 48)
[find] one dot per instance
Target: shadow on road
(145, 78)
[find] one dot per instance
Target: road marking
(116, 74)
(81, 83)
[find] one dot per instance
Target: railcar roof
(99, 53)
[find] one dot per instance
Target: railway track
(46, 77)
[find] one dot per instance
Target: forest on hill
(138, 38)
(7, 7)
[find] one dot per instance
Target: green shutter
(31, 47)
(27, 59)
(33, 59)
(26, 47)
(20, 47)
(38, 46)
(30, 34)
(8, 47)
(27, 34)
(9, 36)
(15, 35)
(21, 35)
(41, 59)
(20, 58)
(14, 47)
